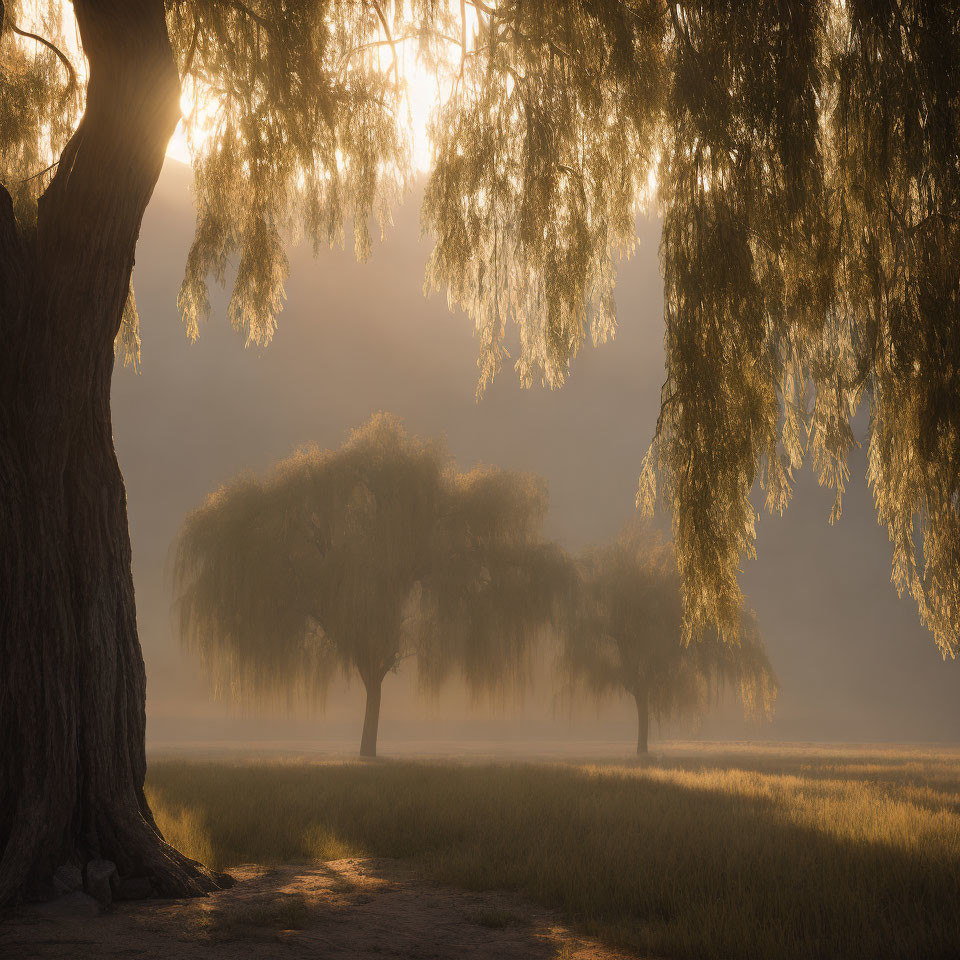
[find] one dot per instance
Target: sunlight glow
(425, 91)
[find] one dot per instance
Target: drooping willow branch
(61, 56)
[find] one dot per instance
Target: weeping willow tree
(804, 158)
(354, 560)
(301, 127)
(625, 638)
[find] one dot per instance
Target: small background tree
(354, 560)
(625, 635)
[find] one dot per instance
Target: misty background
(853, 660)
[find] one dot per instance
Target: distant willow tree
(354, 560)
(626, 638)
(804, 158)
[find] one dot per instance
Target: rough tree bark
(642, 698)
(72, 683)
(371, 717)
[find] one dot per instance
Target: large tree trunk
(72, 686)
(371, 717)
(642, 699)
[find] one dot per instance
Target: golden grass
(752, 853)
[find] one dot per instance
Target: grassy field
(757, 853)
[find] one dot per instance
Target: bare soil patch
(355, 908)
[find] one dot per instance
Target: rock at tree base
(99, 875)
(224, 880)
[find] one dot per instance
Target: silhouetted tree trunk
(642, 698)
(72, 683)
(371, 717)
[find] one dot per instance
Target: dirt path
(357, 909)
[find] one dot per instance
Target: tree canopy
(805, 156)
(356, 559)
(625, 637)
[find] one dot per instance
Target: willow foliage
(299, 127)
(499, 587)
(626, 637)
(357, 558)
(41, 95)
(542, 154)
(807, 166)
(810, 258)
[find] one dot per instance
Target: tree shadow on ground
(342, 910)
